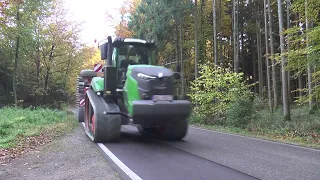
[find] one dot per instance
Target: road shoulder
(72, 156)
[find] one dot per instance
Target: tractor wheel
(174, 131)
(81, 114)
(105, 127)
(88, 73)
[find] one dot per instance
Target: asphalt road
(152, 159)
(205, 154)
(211, 155)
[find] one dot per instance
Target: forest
(40, 53)
(248, 65)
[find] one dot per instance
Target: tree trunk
(267, 56)
(15, 71)
(48, 73)
(288, 48)
(220, 57)
(202, 40)
(16, 59)
(235, 38)
(38, 63)
(261, 62)
(177, 42)
(196, 40)
(177, 63)
(214, 19)
(46, 79)
(254, 66)
(66, 74)
(300, 84)
(182, 64)
(274, 74)
(300, 75)
(260, 74)
(310, 68)
(285, 99)
(237, 35)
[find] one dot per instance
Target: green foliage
(49, 52)
(216, 88)
(240, 112)
(304, 128)
(16, 123)
(302, 123)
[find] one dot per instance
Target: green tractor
(133, 91)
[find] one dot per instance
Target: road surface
(205, 154)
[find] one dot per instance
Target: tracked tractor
(133, 91)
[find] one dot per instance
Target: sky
(93, 15)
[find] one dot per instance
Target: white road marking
(116, 160)
(121, 165)
(285, 144)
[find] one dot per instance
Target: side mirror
(177, 75)
(104, 51)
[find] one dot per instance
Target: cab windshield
(131, 54)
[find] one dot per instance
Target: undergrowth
(17, 123)
(255, 119)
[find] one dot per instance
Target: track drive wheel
(102, 127)
(174, 131)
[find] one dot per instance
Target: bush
(197, 118)
(240, 112)
(215, 89)
(260, 103)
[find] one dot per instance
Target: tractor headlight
(144, 76)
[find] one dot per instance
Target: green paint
(97, 84)
(131, 92)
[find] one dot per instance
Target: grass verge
(303, 129)
(24, 129)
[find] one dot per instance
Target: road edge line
(117, 161)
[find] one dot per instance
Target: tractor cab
(131, 52)
(119, 54)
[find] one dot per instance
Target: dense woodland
(40, 53)
(237, 57)
(273, 43)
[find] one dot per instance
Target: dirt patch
(25, 144)
(72, 156)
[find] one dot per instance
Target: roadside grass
(17, 124)
(303, 129)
